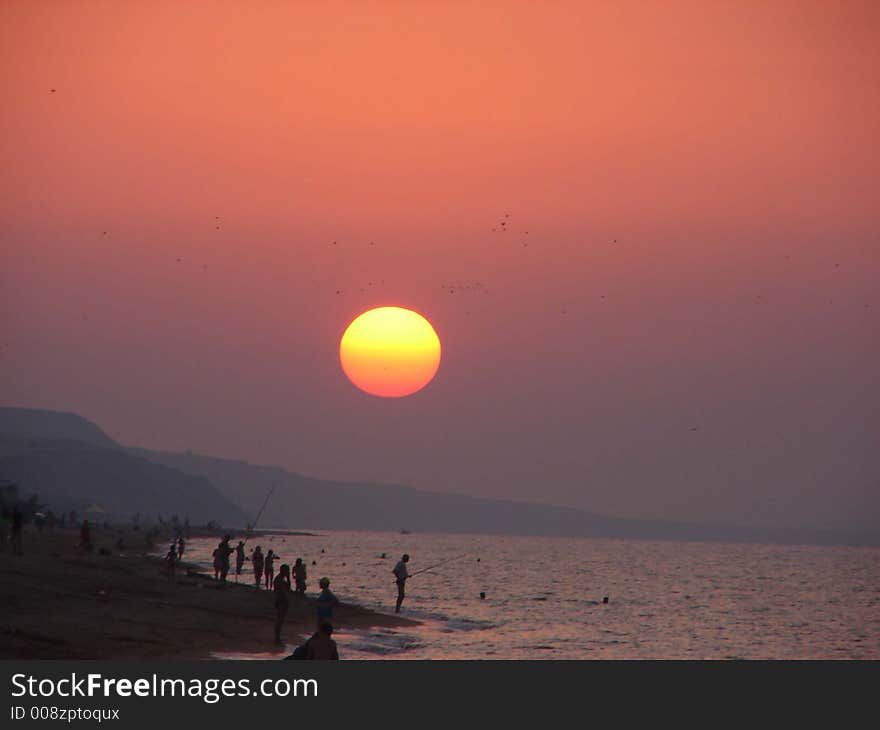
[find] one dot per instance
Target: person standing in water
(269, 568)
(257, 561)
(281, 586)
(299, 575)
(326, 602)
(239, 557)
(401, 574)
(181, 546)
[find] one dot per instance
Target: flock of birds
(502, 226)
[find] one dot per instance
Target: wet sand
(60, 603)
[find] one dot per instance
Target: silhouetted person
(85, 536)
(171, 561)
(269, 568)
(17, 527)
(218, 565)
(320, 646)
(181, 546)
(400, 575)
(257, 561)
(221, 558)
(299, 575)
(281, 586)
(325, 602)
(239, 557)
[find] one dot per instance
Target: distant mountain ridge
(66, 459)
(299, 501)
(37, 423)
(71, 464)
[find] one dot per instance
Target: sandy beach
(62, 603)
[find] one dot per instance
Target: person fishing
(221, 557)
(281, 586)
(257, 561)
(299, 575)
(401, 574)
(239, 557)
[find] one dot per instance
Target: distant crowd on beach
(12, 521)
(288, 584)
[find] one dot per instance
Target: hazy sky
(696, 183)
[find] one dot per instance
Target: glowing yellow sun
(390, 352)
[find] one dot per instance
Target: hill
(305, 502)
(72, 475)
(26, 423)
(71, 464)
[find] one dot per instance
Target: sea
(506, 597)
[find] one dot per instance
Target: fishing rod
(437, 565)
(252, 527)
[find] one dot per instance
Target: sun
(390, 352)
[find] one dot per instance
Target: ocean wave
(466, 624)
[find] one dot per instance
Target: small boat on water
(404, 531)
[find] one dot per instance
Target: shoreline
(63, 603)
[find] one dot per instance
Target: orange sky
(729, 148)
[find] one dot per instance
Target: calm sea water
(666, 600)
